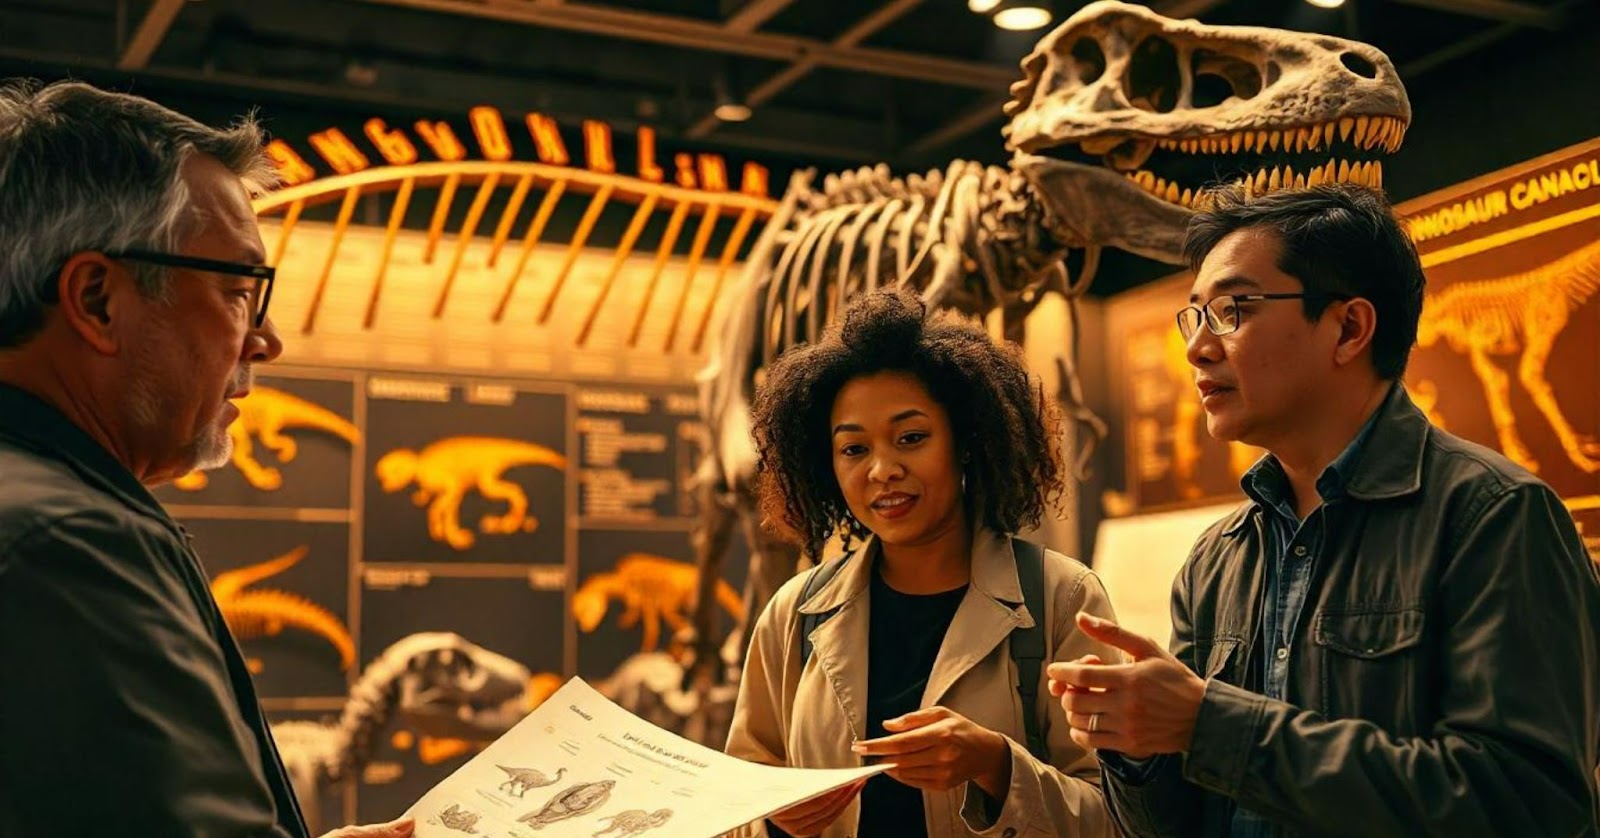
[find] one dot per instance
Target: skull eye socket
(1219, 77)
(1152, 82)
(1090, 58)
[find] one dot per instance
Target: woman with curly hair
(923, 446)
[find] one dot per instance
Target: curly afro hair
(1004, 427)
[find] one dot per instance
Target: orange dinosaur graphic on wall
(1519, 315)
(446, 470)
(264, 612)
(650, 588)
(266, 414)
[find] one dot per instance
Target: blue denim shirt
(1293, 545)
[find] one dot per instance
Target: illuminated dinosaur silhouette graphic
(649, 587)
(266, 612)
(1187, 415)
(1517, 315)
(446, 470)
(265, 414)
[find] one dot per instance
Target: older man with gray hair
(133, 304)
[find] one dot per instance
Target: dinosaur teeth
(1362, 123)
(1187, 198)
(1346, 125)
(1327, 134)
(1344, 171)
(1299, 181)
(1273, 138)
(1172, 193)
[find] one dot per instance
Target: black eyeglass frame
(1209, 318)
(261, 272)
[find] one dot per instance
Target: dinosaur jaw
(1088, 205)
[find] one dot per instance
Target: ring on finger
(1094, 722)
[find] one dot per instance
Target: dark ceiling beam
(754, 13)
(714, 37)
(152, 30)
(1504, 11)
(1415, 68)
(849, 141)
(984, 113)
(783, 79)
(1472, 43)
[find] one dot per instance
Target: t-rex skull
(1123, 100)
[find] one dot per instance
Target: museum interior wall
(486, 420)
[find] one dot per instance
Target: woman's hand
(937, 749)
(810, 817)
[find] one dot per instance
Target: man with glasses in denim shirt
(1399, 634)
(133, 306)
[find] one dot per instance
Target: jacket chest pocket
(1370, 664)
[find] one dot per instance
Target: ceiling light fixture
(728, 109)
(1326, 4)
(982, 7)
(1022, 15)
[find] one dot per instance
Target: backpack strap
(1028, 644)
(816, 578)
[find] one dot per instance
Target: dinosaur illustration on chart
(446, 470)
(571, 802)
(1187, 419)
(519, 780)
(1519, 315)
(265, 414)
(1122, 117)
(264, 612)
(634, 821)
(434, 682)
(459, 819)
(651, 589)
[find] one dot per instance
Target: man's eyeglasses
(1221, 314)
(262, 274)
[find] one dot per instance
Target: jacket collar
(30, 422)
(988, 613)
(1389, 464)
(994, 573)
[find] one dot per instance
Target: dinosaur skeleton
(438, 683)
(1521, 315)
(1121, 118)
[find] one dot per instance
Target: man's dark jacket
(1445, 680)
(125, 706)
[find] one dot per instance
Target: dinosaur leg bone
(1497, 389)
(1530, 371)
